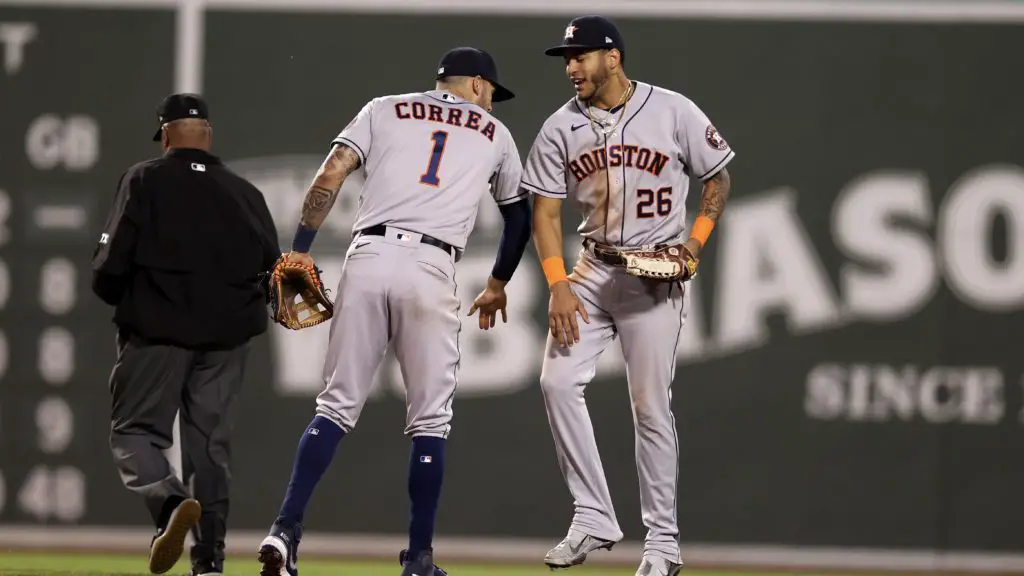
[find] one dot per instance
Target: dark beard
(599, 81)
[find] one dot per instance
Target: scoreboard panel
(78, 95)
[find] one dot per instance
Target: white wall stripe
(924, 11)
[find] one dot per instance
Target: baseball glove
(668, 264)
(297, 295)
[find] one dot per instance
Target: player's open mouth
(577, 82)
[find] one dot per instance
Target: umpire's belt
(382, 229)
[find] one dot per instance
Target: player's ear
(614, 58)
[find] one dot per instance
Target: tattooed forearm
(716, 194)
(320, 198)
(317, 204)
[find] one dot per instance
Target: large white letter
(898, 273)
(965, 232)
(15, 36)
(767, 264)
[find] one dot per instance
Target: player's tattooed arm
(324, 190)
(716, 194)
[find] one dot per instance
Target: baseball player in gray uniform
(623, 152)
(428, 158)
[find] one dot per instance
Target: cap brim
(562, 48)
(501, 93)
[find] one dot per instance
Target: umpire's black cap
(589, 33)
(178, 106)
(465, 61)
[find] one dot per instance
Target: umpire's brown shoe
(169, 543)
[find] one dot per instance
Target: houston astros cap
(178, 106)
(465, 61)
(589, 33)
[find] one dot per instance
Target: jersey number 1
(440, 139)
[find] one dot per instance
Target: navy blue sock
(316, 450)
(426, 473)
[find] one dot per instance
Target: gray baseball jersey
(631, 183)
(628, 173)
(428, 158)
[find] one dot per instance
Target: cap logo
(193, 111)
(607, 40)
(440, 70)
(569, 30)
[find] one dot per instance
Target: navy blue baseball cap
(178, 106)
(589, 33)
(465, 61)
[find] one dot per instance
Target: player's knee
(556, 385)
(652, 414)
(129, 435)
(344, 420)
(439, 426)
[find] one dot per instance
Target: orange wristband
(702, 228)
(554, 269)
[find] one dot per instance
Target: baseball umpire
(182, 258)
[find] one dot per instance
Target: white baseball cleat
(657, 566)
(573, 549)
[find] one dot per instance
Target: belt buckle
(608, 255)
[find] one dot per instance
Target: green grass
(96, 565)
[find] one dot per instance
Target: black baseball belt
(610, 254)
(382, 229)
(607, 254)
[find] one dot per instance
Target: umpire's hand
(562, 314)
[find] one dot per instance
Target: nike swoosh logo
(575, 128)
(360, 245)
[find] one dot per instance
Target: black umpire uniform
(183, 259)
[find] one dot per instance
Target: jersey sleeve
(112, 257)
(544, 173)
(357, 135)
(705, 151)
(505, 186)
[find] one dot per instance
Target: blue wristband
(303, 239)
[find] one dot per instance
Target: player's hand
(693, 246)
(491, 301)
(301, 258)
(562, 312)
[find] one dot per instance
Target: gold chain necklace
(590, 114)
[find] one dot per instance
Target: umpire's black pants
(151, 382)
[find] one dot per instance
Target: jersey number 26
(650, 203)
(430, 177)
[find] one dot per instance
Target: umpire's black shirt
(184, 250)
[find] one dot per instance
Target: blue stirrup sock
(426, 473)
(316, 450)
